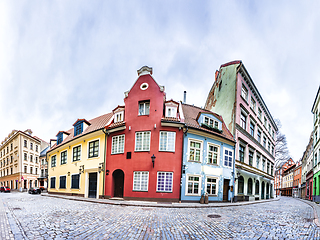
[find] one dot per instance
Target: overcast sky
(64, 60)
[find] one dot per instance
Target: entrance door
(92, 185)
(262, 191)
(225, 189)
(118, 181)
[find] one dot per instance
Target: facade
(76, 159)
(208, 159)
(144, 147)
(19, 160)
(287, 180)
(43, 178)
(316, 147)
(296, 189)
(307, 159)
(278, 181)
(235, 97)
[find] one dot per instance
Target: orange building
(296, 190)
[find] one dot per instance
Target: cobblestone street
(25, 216)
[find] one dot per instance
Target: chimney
(144, 71)
(184, 96)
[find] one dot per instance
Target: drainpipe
(104, 160)
(182, 162)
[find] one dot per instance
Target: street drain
(214, 216)
(309, 219)
(16, 208)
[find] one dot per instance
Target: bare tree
(281, 149)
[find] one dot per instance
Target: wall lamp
(238, 175)
(107, 172)
(100, 168)
(81, 169)
(152, 159)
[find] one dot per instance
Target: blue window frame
(60, 138)
(78, 128)
(228, 158)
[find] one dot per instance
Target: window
(243, 120)
(53, 161)
(264, 142)
(227, 158)
(250, 158)
(118, 117)
(272, 150)
(241, 153)
(140, 181)
(25, 143)
(25, 156)
(31, 158)
(62, 182)
(273, 134)
(164, 182)
(25, 169)
(212, 186)
(193, 183)
(36, 170)
(268, 167)
(144, 108)
(31, 170)
(194, 151)
(117, 144)
(257, 186)
(142, 141)
(269, 146)
(250, 186)
(265, 122)
(75, 181)
(271, 173)
(76, 153)
(167, 141)
(11, 147)
(31, 146)
(53, 182)
(263, 164)
(244, 93)
(171, 112)
(240, 185)
(253, 104)
(258, 161)
(211, 122)
(37, 148)
(252, 126)
(213, 154)
(94, 149)
(269, 126)
(315, 159)
(63, 157)
(36, 159)
(78, 128)
(259, 113)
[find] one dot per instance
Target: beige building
(20, 160)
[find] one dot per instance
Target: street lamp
(152, 159)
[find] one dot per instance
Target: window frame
(94, 156)
(78, 153)
(72, 186)
(118, 149)
(142, 141)
(244, 92)
(64, 158)
(53, 178)
(243, 153)
(243, 120)
(224, 157)
(140, 181)
(187, 185)
(165, 182)
(216, 184)
(209, 144)
(145, 113)
(200, 151)
(55, 162)
(65, 177)
(167, 149)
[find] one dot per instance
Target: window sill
(194, 161)
(213, 164)
(167, 151)
(117, 153)
(163, 192)
(139, 190)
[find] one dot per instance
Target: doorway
(118, 182)
(92, 185)
(262, 191)
(225, 189)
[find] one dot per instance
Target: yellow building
(19, 160)
(76, 159)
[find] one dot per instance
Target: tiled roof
(191, 114)
(96, 124)
(170, 119)
(230, 63)
(117, 124)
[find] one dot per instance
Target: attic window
(78, 128)
(144, 86)
(210, 122)
(60, 138)
(171, 112)
(118, 117)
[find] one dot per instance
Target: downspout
(104, 161)
(182, 162)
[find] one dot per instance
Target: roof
(230, 63)
(82, 120)
(97, 123)
(44, 151)
(191, 114)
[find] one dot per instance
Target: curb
(316, 219)
(158, 205)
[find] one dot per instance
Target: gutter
(104, 161)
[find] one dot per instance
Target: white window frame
(217, 184)
(140, 181)
(144, 108)
(168, 147)
(242, 113)
(224, 156)
(142, 141)
(187, 181)
(189, 148)
(244, 92)
(253, 104)
(118, 117)
(165, 181)
(211, 122)
(88, 148)
(218, 153)
(117, 148)
(173, 111)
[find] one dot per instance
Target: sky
(64, 60)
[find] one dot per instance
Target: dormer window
(59, 138)
(144, 108)
(79, 126)
(171, 112)
(211, 122)
(118, 117)
(171, 108)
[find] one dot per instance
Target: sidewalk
(157, 204)
(316, 210)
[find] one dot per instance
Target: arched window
(240, 185)
(250, 186)
(257, 186)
